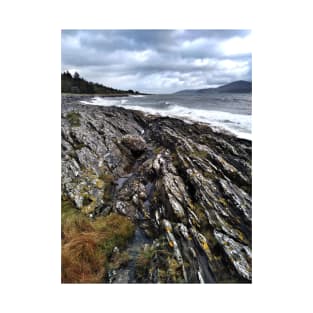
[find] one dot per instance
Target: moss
(89, 203)
(117, 231)
(67, 206)
(241, 236)
(201, 154)
(72, 221)
(106, 177)
(158, 258)
(119, 260)
(212, 242)
(86, 200)
(73, 118)
(199, 211)
(143, 263)
(99, 183)
(107, 187)
(174, 271)
(158, 150)
(223, 202)
(209, 175)
(162, 275)
(79, 146)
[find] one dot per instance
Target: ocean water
(231, 112)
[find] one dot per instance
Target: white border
(30, 156)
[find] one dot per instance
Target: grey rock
(134, 143)
(186, 186)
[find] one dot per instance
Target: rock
(239, 255)
(186, 186)
(135, 199)
(135, 143)
(121, 207)
(116, 250)
(142, 195)
(120, 276)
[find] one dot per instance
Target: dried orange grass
(82, 261)
(87, 244)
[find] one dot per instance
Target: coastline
(197, 118)
(184, 187)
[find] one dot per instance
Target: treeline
(76, 84)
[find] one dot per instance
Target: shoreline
(218, 128)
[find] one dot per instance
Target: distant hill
(237, 86)
(76, 84)
(240, 86)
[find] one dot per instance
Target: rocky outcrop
(136, 144)
(185, 186)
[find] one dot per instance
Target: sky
(158, 61)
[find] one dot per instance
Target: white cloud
(237, 46)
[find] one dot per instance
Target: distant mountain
(237, 86)
(240, 86)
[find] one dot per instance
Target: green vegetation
(158, 150)
(87, 244)
(107, 187)
(77, 84)
(151, 257)
(118, 260)
(143, 263)
(199, 154)
(199, 211)
(73, 118)
(116, 230)
(78, 146)
(223, 202)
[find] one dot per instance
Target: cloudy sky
(158, 61)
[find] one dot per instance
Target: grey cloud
(175, 59)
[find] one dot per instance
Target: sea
(225, 111)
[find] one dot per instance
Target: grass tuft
(87, 244)
(82, 261)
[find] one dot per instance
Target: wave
(238, 124)
(107, 102)
(136, 96)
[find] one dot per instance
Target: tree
(76, 84)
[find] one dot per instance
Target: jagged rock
(186, 186)
(134, 143)
(240, 255)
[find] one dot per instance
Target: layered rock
(185, 186)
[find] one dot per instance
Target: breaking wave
(238, 124)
